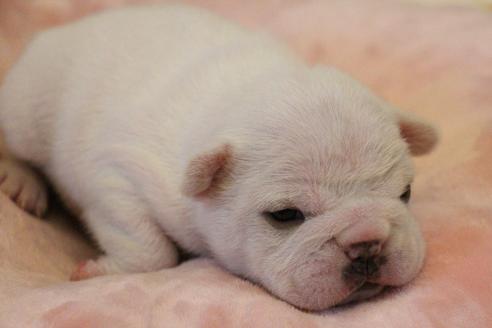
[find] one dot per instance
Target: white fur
(113, 109)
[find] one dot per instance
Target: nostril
(364, 249)
(372, 266)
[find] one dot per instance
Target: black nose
(366, 261)
(362, 268)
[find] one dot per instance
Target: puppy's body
(166, 124)
(141, 101)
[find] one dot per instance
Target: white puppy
(166, 126)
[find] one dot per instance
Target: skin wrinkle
(314, 185)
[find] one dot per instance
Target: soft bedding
(435, 61)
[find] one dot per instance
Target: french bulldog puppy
(165, 126)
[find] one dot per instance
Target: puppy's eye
(405, 197)
(287, 215)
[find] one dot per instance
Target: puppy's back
(65, 77)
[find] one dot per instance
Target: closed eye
(405, 197)
(287, 215)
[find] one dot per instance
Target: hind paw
(23, 186)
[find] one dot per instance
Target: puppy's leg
(23, 185)
(131, 240)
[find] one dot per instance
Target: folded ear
(420, 136)
(206, 173)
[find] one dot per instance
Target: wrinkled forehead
(318, 180)
(328, 154)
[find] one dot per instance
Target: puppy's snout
(363, 244)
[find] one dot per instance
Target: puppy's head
(309, 196)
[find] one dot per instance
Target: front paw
(23, 186)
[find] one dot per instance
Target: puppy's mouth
(365, 291)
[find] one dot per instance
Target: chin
(316, 303)
(366, 291)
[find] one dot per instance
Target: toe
(41, 204)
(21, 184)
(32, 198)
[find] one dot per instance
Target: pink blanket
(433, 61)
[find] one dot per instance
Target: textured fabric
(434, 61)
